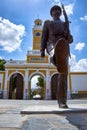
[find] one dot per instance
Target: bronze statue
(55, 39)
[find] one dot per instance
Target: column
(5, 92)
(68, 90)
(26, 94)
(48, 92)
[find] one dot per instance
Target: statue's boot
(61, 55)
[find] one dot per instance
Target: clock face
(38, 34)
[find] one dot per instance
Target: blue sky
(17, 20)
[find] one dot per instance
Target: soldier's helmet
(55, 7)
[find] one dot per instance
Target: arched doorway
(54, 82)
(37, 87)
(16, 86)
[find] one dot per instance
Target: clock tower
(37, 31)
(34, 56)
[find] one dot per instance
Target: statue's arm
(44, 37)
(68, 34)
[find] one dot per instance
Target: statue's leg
(62, 86)
(61, 56)
(62, 90)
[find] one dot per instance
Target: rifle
(68, 36)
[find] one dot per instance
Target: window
(38, 34)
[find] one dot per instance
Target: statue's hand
(42, 53)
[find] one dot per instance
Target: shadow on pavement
(79, 120)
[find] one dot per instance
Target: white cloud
(69, 9)
(72, 60)
(79, 46)
(84, 18)
(10, 35)
(80, 66)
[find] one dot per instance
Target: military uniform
(54, 36)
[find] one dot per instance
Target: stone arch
(54, 82)
(34, 74)
(16, 85)
(15, 73)
(53, 75)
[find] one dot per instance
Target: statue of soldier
(55, 39)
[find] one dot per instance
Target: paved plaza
(42, 115)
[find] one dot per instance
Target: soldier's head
(55, 11)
